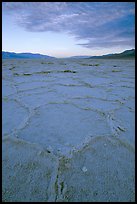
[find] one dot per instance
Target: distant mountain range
(123, 55)
(80, 57)
(127, 54)
(13, 55)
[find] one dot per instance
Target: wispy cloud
(102, 24)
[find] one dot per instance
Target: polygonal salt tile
(99, 173)
(13, 115)
(61, 124)
(28, 176)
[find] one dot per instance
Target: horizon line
(66, 56)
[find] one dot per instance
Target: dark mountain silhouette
(122, 55)
(127, 54)
(12, 55)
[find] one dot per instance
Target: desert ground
(68, 128)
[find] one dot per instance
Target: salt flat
(68, 130)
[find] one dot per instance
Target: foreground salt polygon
(68, 130)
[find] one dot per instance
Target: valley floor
(68, 130)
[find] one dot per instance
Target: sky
(63, 29)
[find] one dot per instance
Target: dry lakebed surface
(68, 129)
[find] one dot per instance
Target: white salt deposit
(84, 169)
(68, 136)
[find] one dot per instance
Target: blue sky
(63, 29)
